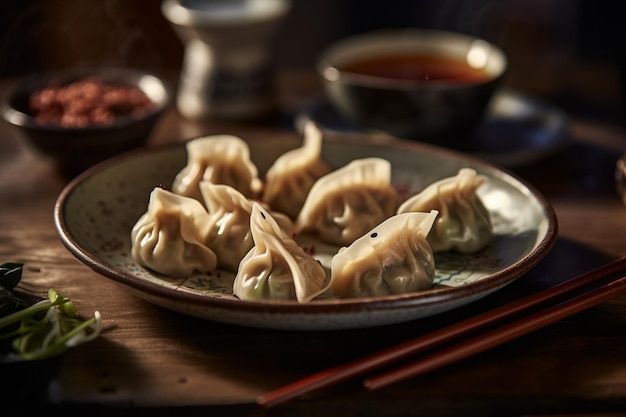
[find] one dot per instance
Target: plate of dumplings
(312, 231)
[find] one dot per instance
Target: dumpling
(346, 203)
(393, 258)
(291, 176)
(464, 224)
(221, 159)
(229, 222)
(170, 237)
(276, 268)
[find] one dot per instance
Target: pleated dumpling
(276, 268)
(221, 159)
(393, 258)
(170, 238)
(229, 223)
(348, 202)
(291, 176)
(464, 224)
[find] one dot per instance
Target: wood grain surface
(153, 361)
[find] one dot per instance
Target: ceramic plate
(518, 128)
(95, 212)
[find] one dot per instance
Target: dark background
(570, 52)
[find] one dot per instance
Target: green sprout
(44, 329)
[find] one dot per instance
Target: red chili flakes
(87, 102)
(309, 249)
(404, 190)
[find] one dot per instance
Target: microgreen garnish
(44, 329)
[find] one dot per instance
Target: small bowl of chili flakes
(83, 116)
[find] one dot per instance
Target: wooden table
(150, 360)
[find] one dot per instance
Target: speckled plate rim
(328, 314)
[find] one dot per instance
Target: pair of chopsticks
(469, 346)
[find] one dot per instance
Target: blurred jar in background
(226, 71)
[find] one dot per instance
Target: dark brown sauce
(415, 67)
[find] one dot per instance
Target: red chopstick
(500, 335)
(419, 344)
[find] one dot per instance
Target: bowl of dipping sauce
(80, 117)
(419, 84)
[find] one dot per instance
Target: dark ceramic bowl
(416, 84)
(75, 148)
